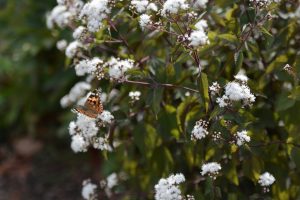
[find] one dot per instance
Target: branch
(166, 85)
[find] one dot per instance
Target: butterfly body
(92, 106)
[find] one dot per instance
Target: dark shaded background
(32, 129)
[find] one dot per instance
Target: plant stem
(166, 85)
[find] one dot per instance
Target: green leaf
(216, 111)
(295, 156)
(231, 173)
(265, 31)
(183, 111)
(278, 62)
(228, 37)
(204, 84)
(170, 70)
(295, 94)
(238, 58)
(283, 102)
(157, 96)
(219, 20)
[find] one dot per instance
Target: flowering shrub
(204, 88)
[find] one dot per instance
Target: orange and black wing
(93, 102)
(85, 111)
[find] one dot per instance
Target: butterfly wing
(93, 102)
(85, 111)
(92, 106)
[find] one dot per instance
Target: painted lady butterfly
(92, 106)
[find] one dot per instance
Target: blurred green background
(32, 133)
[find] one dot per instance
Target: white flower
(112, 180)
(140, 5)
(201, 25)
(61, 2)
(198, 38)
(223, 101)
(95, 12)
(79, 33)
(200, 130)
(84, 134)
(88, 191)
(241, 77)
(88, 66)
(72, 128)
(78, 144)
(262, 3)
(266, 179)
(106, 117)
(201, 3)
(63, 14)
(212, 169)
(135, 95)
(152, 7)
(61, 45)
(59, 16)
(242, 137)
(287, 67)
(144, 21)
(236, 91)
(73, 48)
(87, 126)
(190, 197)
(176, 179)
(76, 92)
(101, 144)
(117, 68)
(173, 7)
(214, 88)
(168, 189)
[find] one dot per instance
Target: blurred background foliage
(32, 81)
(33, 78)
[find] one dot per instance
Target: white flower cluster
(135, 95)
(214, 88)
(241, 77)
(73, 48)
(84, 133)
(62, 15)
(265, 180)
(88, 191)
(145, 20)
(200, 130)
(201, 3)
(173, 7)
(89, 66)
(212, 169)
(142, 6)
(236, 91)
(106, 117)
(80, 33)
(94, 12)
(76, 92)
(199, 37)
(118, 68)
(61, 45)
(168, 189)
(262, 3)
(111, 181)
(242, 137)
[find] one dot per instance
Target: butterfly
(92, 106)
